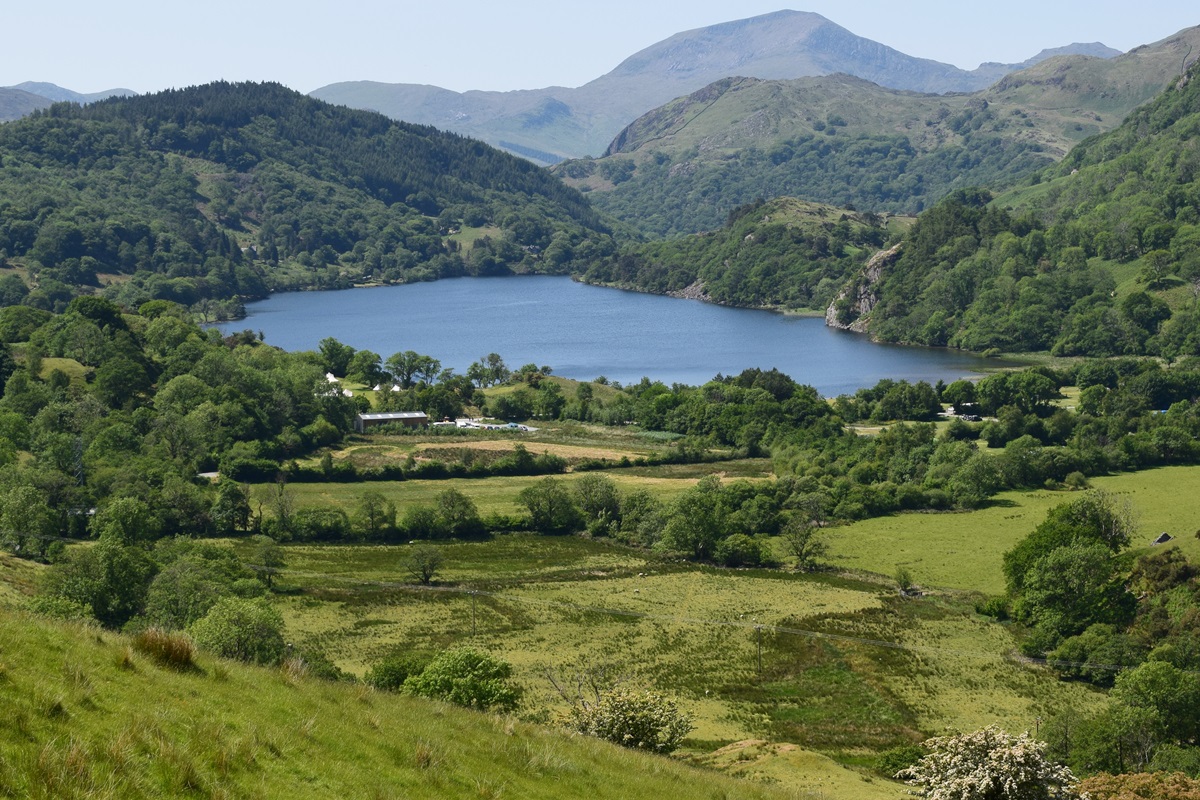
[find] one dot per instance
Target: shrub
(551, 507)
(1075, 480)
(740, 550)
(320, 525)
(642, 720)
(422, 522)
(996, 607)
(898, 758)
(1155, 785)
(317, 664)
(468, 678)
(1173, 758)
(248, 630)
(168, 649)
(60, 607)
(391, 673)
(989, 764)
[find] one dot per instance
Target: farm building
(410, 419)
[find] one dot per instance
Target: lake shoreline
(584, 331)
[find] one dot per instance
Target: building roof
(394, 415)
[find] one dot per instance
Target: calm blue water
(587, 331)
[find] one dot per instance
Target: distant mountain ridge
(58, 94)
(558, 122)
(17, 103)
(25, 98)
(846, 141)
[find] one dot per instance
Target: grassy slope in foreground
(81, 720)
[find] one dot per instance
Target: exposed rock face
(861, 294)
(696, 291)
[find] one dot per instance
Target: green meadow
(796, 682)
(836, 668)
(963, 551)
(491, 495)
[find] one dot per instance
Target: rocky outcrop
(851, 309)
(694, 291)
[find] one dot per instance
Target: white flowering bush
(643, 720)
(989, 764)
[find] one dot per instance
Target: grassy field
(964, 550)
(574, 442)
(481, 449)
(848, 668)
(499, 494)
(791, 678)
(468, 236)
(491, 495)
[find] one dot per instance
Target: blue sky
(500, 44)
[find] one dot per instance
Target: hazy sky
(499, 44)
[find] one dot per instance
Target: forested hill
(228, 190)
(1101, 257)
(785, 253)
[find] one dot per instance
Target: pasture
(963, 550)
(848, 668)
(491, 495)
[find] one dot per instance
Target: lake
(583, 332)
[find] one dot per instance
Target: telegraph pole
(758, 642)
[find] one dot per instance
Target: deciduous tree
(551, 509)
(423, 562)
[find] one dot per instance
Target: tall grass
(171, 733)
(168, 649)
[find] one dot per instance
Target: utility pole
(758, 641)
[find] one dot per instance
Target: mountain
(16, 103)
(234, 190)
(58, 94)
(990, 71)
(843, 140)
(553, 123)
(1098, 256)
(25, 98)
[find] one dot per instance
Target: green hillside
(233, 190)
(1099, 258)
(87, 715)
(785, 253)
(842, 140)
